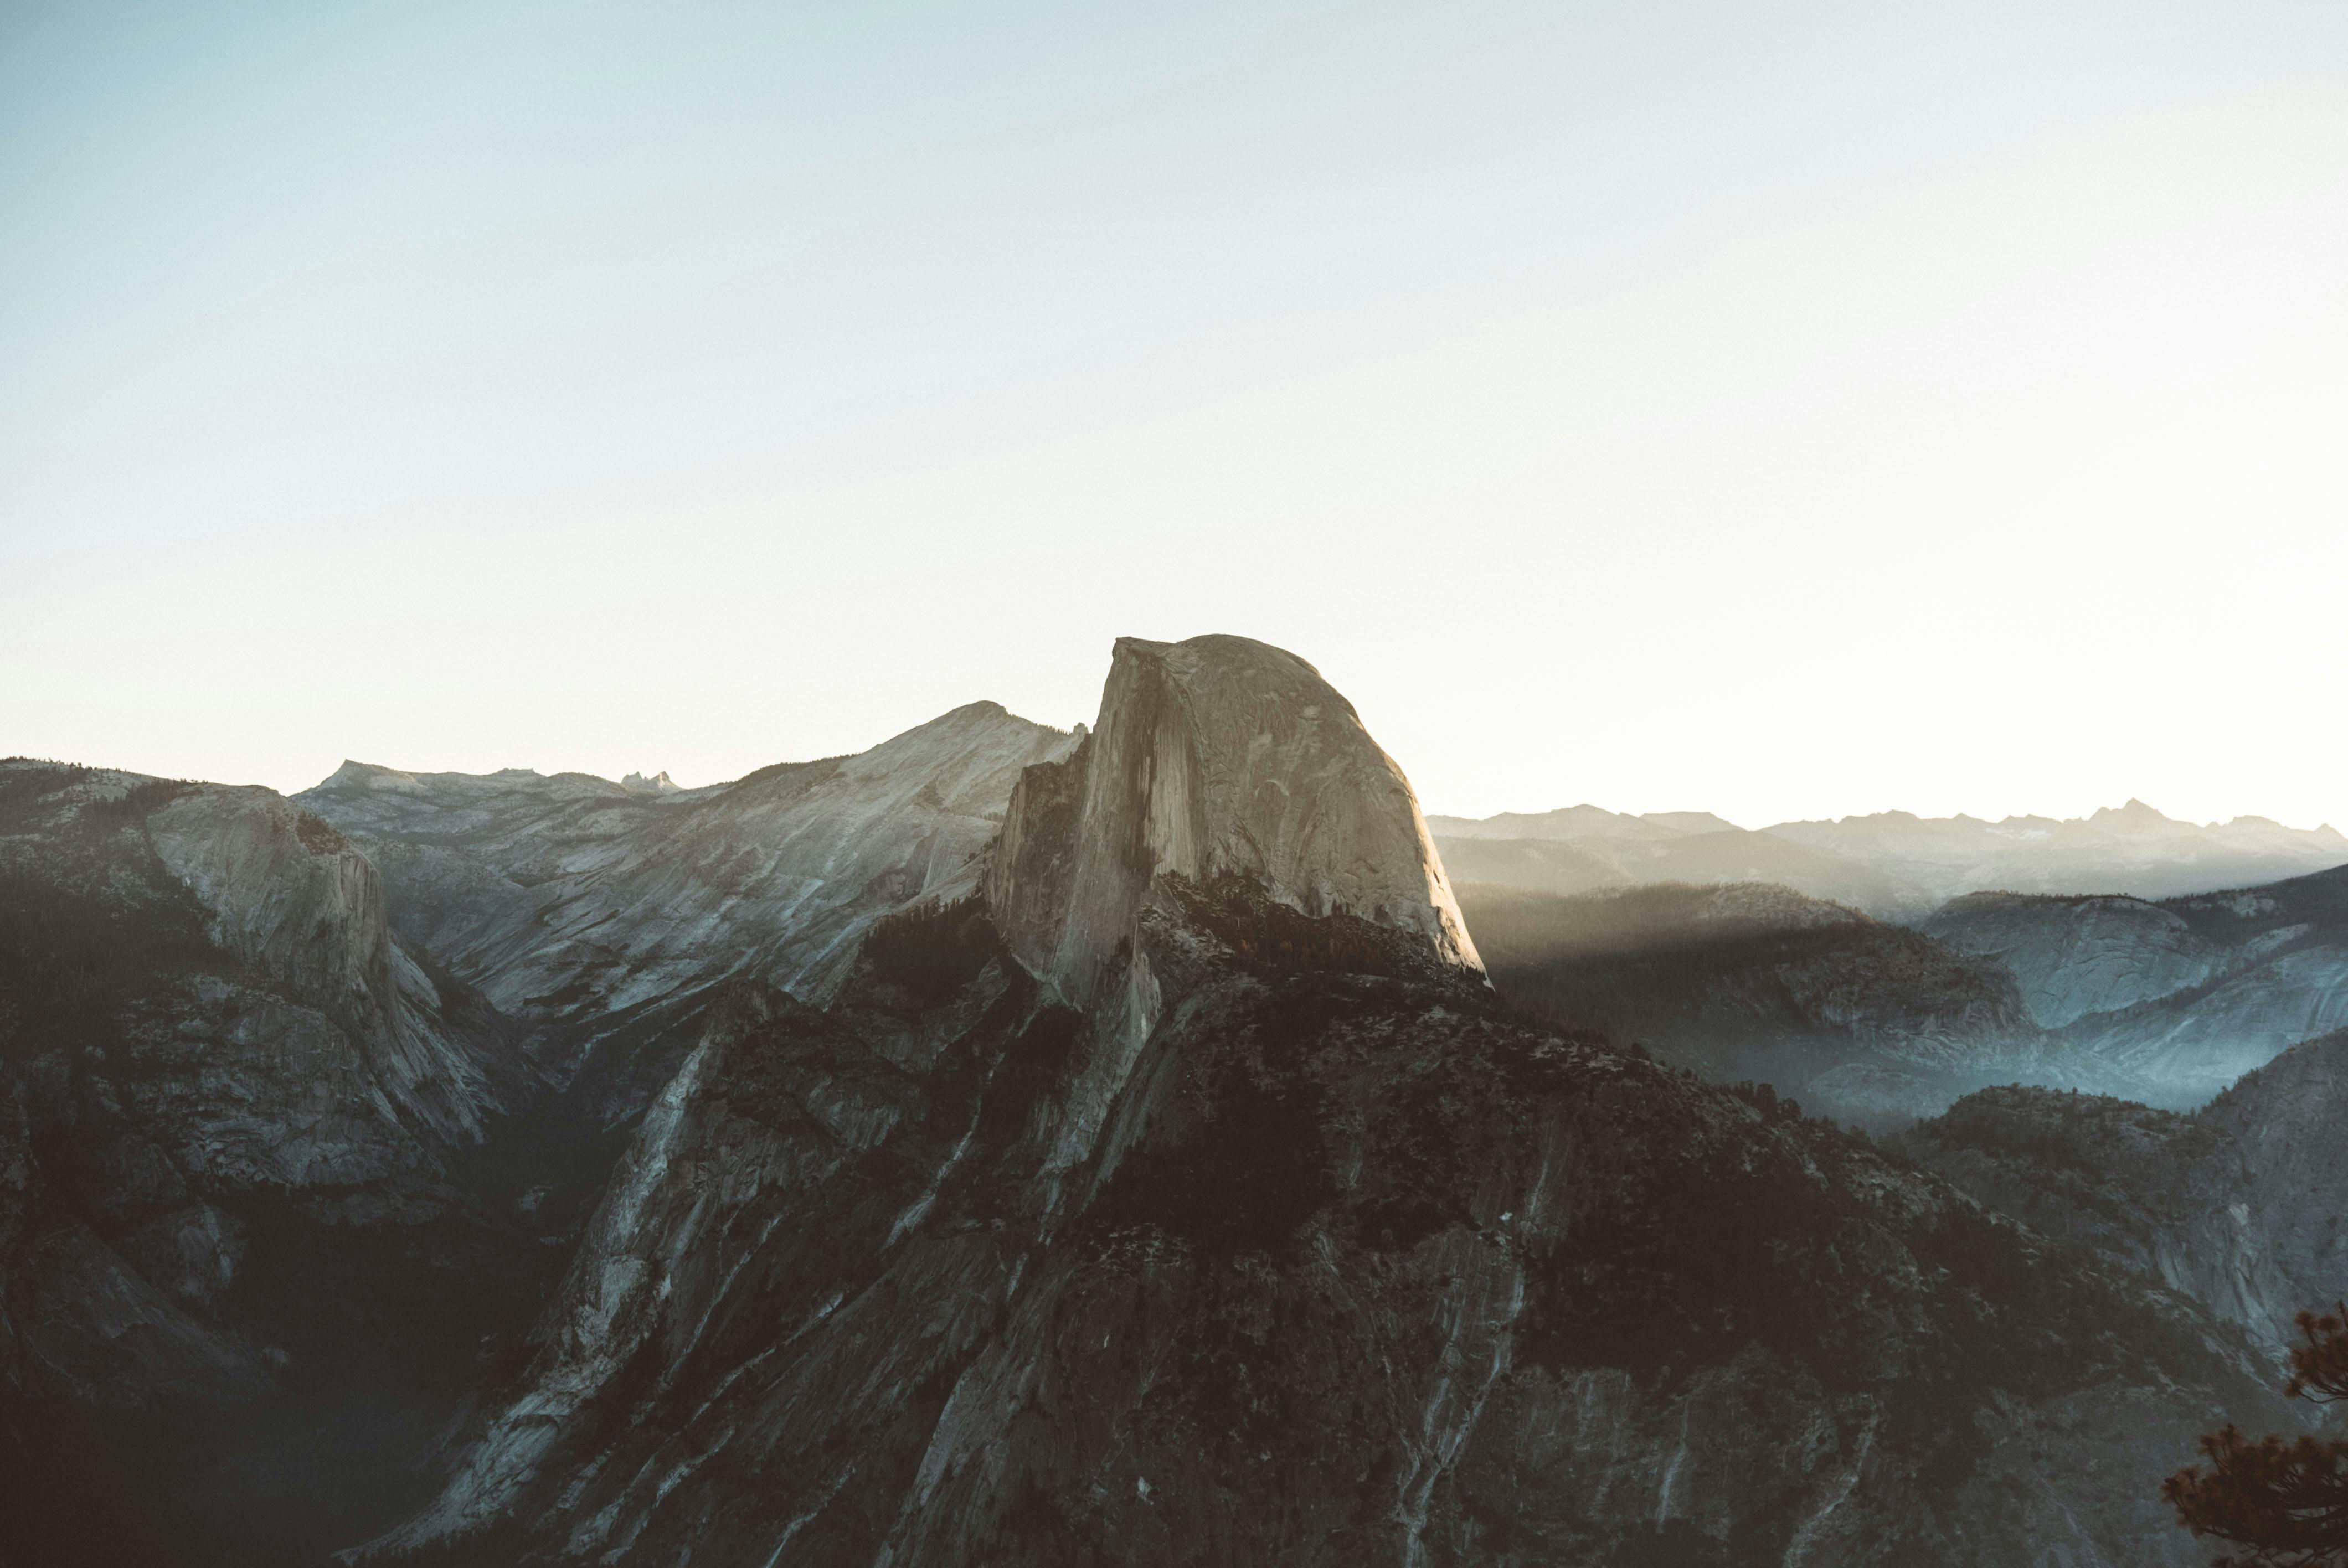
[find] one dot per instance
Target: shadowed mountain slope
(232, 1106)
(1864, 1020)
(2243, 1204)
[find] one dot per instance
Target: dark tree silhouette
(2283, 1499)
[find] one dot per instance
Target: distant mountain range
(1893, 865)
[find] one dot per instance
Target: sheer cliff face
(1215, 761)
(1190, 1197)
(1215, 757)
(291, 899)
(281, 1034)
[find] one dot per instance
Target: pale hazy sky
(1783, 410)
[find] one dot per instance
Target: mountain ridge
(1893, 865)
(594, 916)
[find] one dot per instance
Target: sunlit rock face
(659, 784)
(1151, 1208)
(1216, 762)
(1218, 757)
(599, 915)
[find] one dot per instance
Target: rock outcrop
(283, 1036)
(660, 784)
(295, 902)
(1216, 757)
(1189, 1195)
(1216, 762)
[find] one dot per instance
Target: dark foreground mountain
(2185, 995)
(279, 1183)
(2243, 1204)
(1185, 1195)
(239, 1272)
(1859, 1018)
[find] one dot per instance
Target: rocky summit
(1122, 1145)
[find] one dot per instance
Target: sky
(1784, 410)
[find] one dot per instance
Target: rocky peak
(659, 784)
(358, 775)
(2134, 817)
(1215, 756)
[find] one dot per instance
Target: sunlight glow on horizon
(1668, 407)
